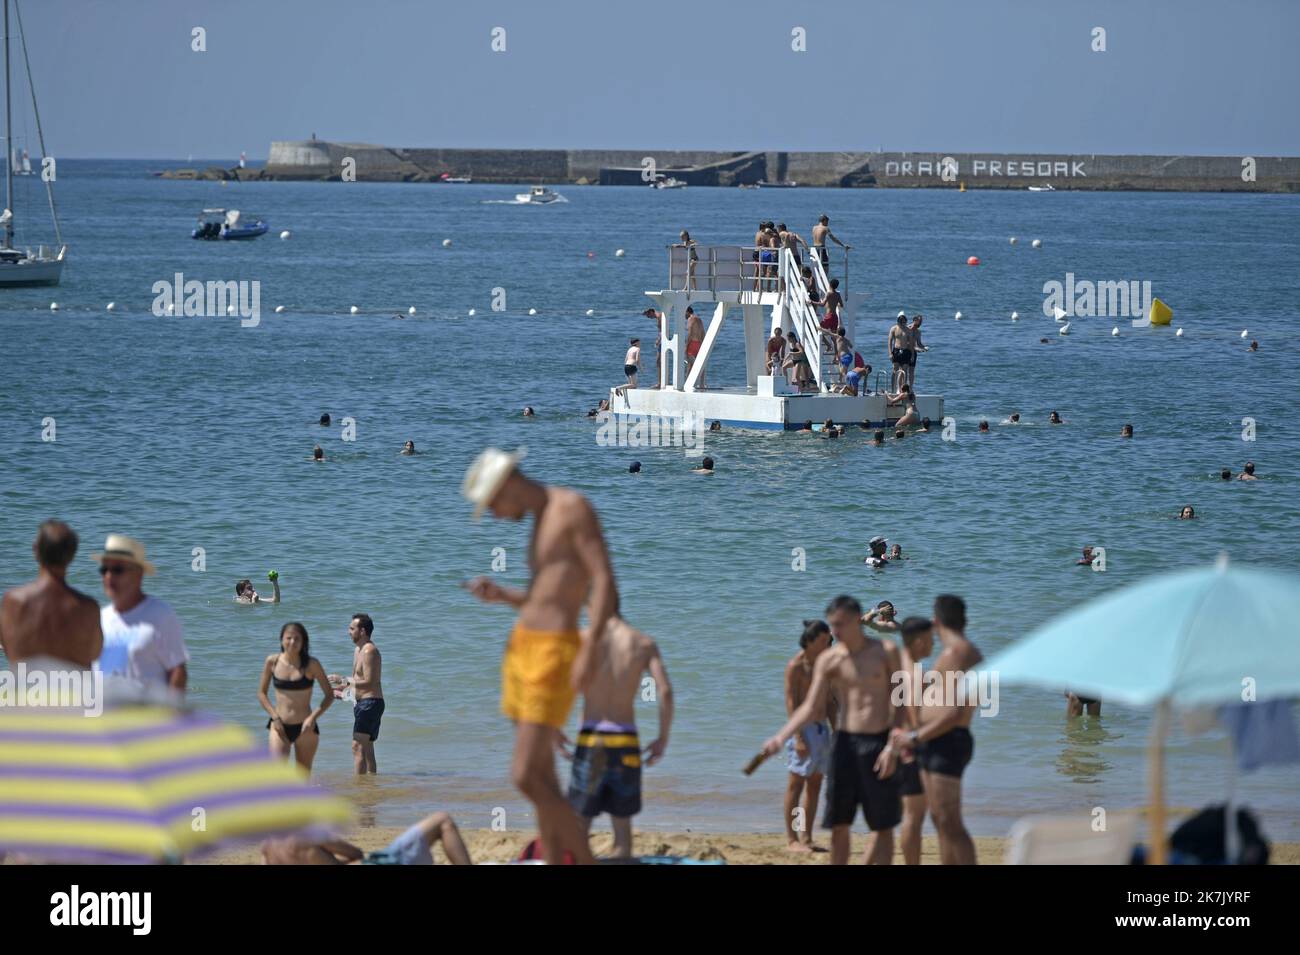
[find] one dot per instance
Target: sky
(119, 78)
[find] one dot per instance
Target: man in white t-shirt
(142, 635)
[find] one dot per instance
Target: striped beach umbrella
(144, 784)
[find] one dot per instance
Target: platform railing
(720, 268)
(802, 315)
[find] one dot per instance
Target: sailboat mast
(9, 162)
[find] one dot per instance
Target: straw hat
(121, 547)
(486, 475)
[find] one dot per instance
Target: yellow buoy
(963, 187)
(1160, 313)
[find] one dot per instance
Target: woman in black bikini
(292, 726)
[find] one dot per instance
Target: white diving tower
(767, 296)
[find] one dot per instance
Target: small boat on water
(668, 183)
(447, 177)
(781, 184)
(227, 224)
(538, 196)
(1045, 188)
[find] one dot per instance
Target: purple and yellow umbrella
(145, 784)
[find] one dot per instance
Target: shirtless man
(864, 750)
(692, 257)
(917, 346)
(807, 754)
(607, 761)
(834, 302)
(820, 233)
(775, 351)
(760, 246)
(547, 662)
(917, 638)
(899, 347)
(412, 847)
(368, 693)
(694, 338)
(943, 741)
(659, 325)
(47, 618)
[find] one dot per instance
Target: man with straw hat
(547, 661)
(143, 640)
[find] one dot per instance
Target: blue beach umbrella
(1201, 637)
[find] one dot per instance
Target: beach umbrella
(144, 783)
(1201, 637)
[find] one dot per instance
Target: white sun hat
(486, 475)
(121, 547)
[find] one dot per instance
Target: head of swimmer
(844, 614)
(360, 628)
(1187, 513)
(295, 644)
(815, 638)
(244, 589)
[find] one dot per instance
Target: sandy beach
(735, 848)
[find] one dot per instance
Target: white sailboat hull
(31, 272)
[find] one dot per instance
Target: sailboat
(22, 166)
(23, 266)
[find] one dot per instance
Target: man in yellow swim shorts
(548, 660)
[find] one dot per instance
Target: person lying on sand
(413, 847)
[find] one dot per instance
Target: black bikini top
(302, 683)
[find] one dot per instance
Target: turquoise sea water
(198, 432)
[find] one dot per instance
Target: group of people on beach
(858, 719)
(138, 639)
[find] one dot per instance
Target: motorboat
(538, 196)
(227, 224)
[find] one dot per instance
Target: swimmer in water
(1086, 559)
(706, 467)
(829, 430)
(806, 428)
(877, 557)
(900, 433)
(245, 594)
(1254, 345)
(1249, 473)
(324, 420)
(925, 426)
(715, 425)
(1126, 431)
(1054, 418)
(317, 454)
(1187, 514)
(896, 553)
(634, 467)
(529, 412)
(1226, 474)
(1015, 418)
(408, 448)
(984, 427)
(878, 438)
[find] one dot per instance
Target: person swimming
(1226, 474)
(984, 427)
(1249, 473)
(324, 420)
(715, 425)
(408, 448)
(245, 594)
(1187, 513)
(900, 433)
(1054, 418)
(706, 467)
(1087, 557)
(925, 426)
(1126, 431)
(529, 412)
(634, 467)
(896, 553)
(1015, 418)
(805, 428)
(317, 453)
(878, 438)
(877, 556)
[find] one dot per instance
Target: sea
(195, 435)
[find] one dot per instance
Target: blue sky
(117, 78)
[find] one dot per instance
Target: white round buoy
(110, 306)
(590, 312)
(446, 243)
(279, 309)
(532, 311)
(1178, 334)
(1014, 240)
(619, 254)
(1114, 332)
(354, 310)
(957, 316)
(1244, 331)
(54, 307)
(285, 234)
(471, 313)
(1065, 329)
(1037, 243)
(411, 310)
(1015, 316)
(230, 310)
